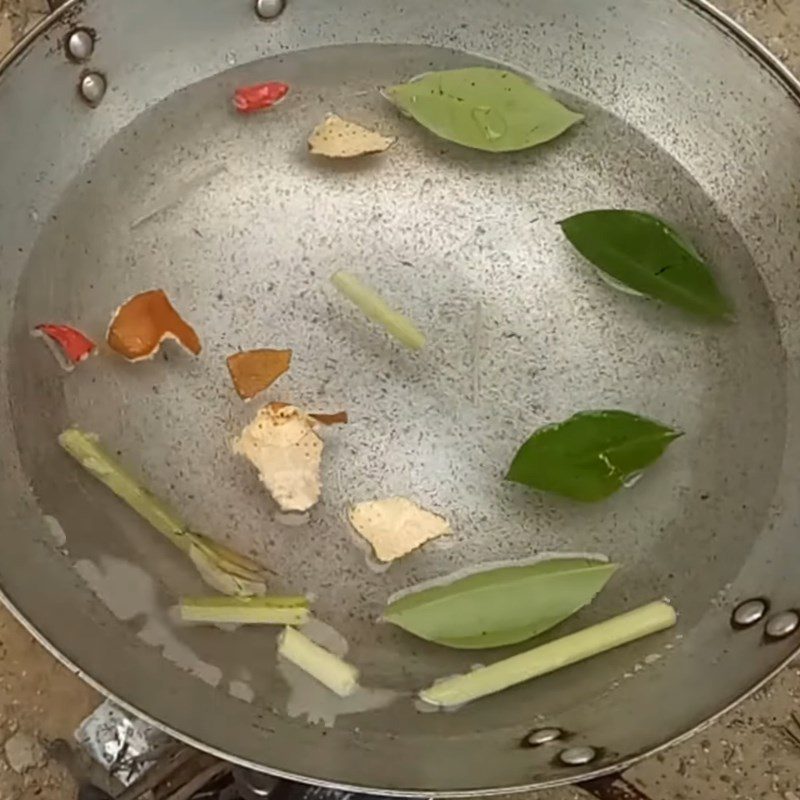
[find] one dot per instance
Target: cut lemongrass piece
(86, 449)
(376, 308)
(245, 610)
(552, 656)
(330, 670)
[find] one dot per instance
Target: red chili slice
(72, 346)
(259, 96)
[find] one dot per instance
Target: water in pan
(520, 333)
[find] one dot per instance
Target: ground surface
(745, 757)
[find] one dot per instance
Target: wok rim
(767, 60)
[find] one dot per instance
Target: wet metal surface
(240, 204)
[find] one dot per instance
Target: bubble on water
(57, 533)
(241, 691)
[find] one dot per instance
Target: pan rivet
(269, 9)
(783, 624)
(748, 613)
(543, 736)
(92, 88)
(80, 45)
(577, 756)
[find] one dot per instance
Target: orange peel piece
(143, 322)
(252, 371)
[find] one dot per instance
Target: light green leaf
(591, 455)
(647, 255)
(500, 606)
(483, 108)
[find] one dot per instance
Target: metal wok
(686, 116)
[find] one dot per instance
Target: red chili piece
(260, 96)
(73, 344)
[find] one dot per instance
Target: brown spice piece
(339, 418)
(252, 371)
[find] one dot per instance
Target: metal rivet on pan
(749, 613)
(782, 625)
(577, 756)
(80, 45)
(543, 736)
(92, 88)
(269, 9)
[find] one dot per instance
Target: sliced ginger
(338, 138)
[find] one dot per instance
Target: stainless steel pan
(686, 116)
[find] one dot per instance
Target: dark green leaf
(500, 606)
(646, 254)
(482, 108)
(591, 455)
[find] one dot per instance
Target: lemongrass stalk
(220, 579)
(376, 308)
(86, 449)
(226, 559)
(245, 610)
(330, 670)
(218, 565)
(552, 656)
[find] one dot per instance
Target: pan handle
(613, 787)
(257, 786)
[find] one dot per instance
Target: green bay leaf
(647, 255)
(500, 606)
(483, 108)
(591, 455)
